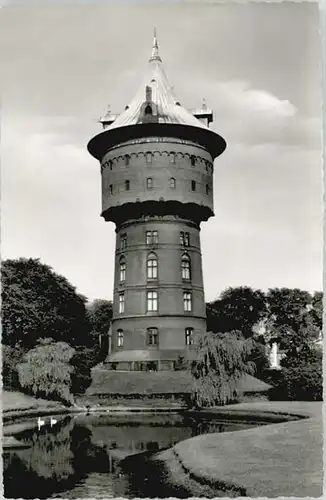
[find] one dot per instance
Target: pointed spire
(155, 53)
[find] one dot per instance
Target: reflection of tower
(157, 187)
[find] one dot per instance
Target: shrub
(11, 357)
(222, 361)
(82, 362)
(45, 371)
(301, 376)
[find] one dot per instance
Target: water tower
(157, 187)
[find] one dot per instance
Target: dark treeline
(46, 322)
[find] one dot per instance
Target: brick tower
(157, 187)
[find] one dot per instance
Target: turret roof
(154, 89)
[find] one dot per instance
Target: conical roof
(157, 90)
(154, 110)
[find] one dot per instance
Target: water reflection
(81, 456)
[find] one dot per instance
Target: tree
(292, 318)
(239, 309)
(99, 313)
(55, 370)
(259, 358)
(11, 357)
(45, 371)
(301, 377)
(222, 360)
(317, 309)
(38, 303)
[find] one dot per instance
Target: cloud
(60, 68)
(255, 116)
(246, 99)
(51, 202)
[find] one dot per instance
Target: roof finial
(155, 54)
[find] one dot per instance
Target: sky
(258, 67)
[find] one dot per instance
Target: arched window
(152, 336)
(193, 160)
(189, 336)
(120, 338)
(127, 185)
(148, 157)
(149, 182)
(172, 157)
(127, 160)
(122, 269)
(148, 110)
(172, 183)
(186, 267)
(152, 266)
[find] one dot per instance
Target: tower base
(150, 360)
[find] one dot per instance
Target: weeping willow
(46, 372)
(222, 361)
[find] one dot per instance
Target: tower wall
(171, 164)
(170, 319)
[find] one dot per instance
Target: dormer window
(148, 110)
(172, 183)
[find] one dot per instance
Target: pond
(83, 456)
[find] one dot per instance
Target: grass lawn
(162, 382)
(21, 411)
(14, 401)
(283, 459)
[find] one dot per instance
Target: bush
(11, 357)
(300, 383)
(82, 362)
(45, 371)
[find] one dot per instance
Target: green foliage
(290, 317)
(11, 357)
(294, 319)
(301, 377)
(317, 311)
(37, 303)
(99, 313)
(239, 309)
(259, 358)
(221, 362)
(46, 371)
(99, 316)
(83, 361)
